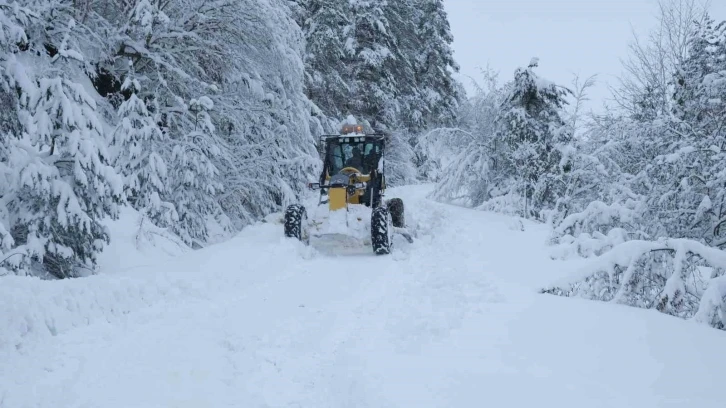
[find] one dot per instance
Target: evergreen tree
(327, 61)
(531, 141)
(435, 64)
(58, 184)
(13, 38)
(410, 101)
(389, 63)
(195, 179)
(688, 168)
(141, 147)
(373, 49)
(692, 99)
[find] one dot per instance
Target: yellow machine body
(339, 197)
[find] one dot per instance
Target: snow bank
(143, 267)
(588, 245)
(136, 243)
(595, 230)
(35, 308)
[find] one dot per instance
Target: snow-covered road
(453, 320)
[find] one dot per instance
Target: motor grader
(351, 210)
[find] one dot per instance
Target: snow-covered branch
(680, 277)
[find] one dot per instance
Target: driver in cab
(355, 160)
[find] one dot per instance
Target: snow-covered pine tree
(693, 156)
(299, 10)
(194, 179)
(60, 184)
(177, 55)
(413, 83)
(6, 239)
(13, 38)
(374, 50)
(435, 64)
(531, 142)
(701, 60)
(68, 177)
(411, 105)
(327, 62)
(389, 63)
(140, 149)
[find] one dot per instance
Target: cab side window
(336, 159)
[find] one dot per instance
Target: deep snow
(452, 320)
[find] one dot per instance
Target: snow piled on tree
(59, 184)
(634, 195)
(649, 222)
(513, 147)
(679, 277)
(192, 113)
(389, 64)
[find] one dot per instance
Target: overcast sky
(568, 36)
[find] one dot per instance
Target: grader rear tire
(395, 207)
(381, 231)
(295, 220)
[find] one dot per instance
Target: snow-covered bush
(679, 277)
(435, 150)
(465, 152)
(400, 168)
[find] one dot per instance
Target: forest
(203, 117)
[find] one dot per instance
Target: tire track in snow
(321, 332)
(411, 305)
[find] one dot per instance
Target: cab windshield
(360, 155)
